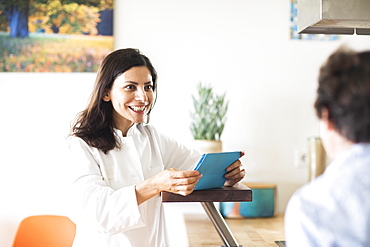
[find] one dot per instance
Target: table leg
(220, 225)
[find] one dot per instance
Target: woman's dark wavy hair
(95, 124)
(344, 91)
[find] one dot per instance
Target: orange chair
(45, 230)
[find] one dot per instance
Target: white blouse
(104, 202)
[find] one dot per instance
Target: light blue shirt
(334, 209)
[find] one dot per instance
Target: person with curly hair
(334, 209)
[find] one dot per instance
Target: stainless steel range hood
(334, 16)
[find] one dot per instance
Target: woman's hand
(175, 181)
(235, 172)
(171, 180)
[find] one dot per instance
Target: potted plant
(208, 119)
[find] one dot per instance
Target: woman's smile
(138, 109)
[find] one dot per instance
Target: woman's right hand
(175, 181)
(171, 180)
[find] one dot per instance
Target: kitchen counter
(248, 231)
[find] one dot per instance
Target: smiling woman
(121, 164)
(132, 95)
(117, 78)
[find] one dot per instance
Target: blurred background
(241, 47)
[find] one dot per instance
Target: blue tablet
(213, 168)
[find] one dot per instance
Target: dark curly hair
(95, 124)
(344, 91)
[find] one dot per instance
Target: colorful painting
(55, 35)
(294, 29)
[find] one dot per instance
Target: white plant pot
(206, 146)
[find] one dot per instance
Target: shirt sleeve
(114, 211)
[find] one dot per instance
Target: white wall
(36, 110)
(241, 47)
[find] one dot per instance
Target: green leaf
(208, 118)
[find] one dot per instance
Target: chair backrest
(45, 230)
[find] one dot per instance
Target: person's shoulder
(75, 141)
(351, 169)
(317, 192)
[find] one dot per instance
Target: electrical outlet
(301, 158)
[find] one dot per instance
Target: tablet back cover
(213, 168)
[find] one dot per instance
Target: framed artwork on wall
(55, 35)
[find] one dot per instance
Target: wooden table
(237, 193)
